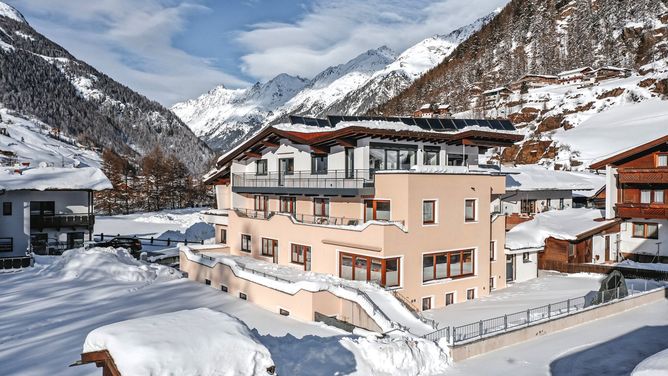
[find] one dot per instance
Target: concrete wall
(17, 226)
(301, 306)
(468, 350)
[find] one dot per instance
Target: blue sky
(172, 50)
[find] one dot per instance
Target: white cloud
(131, 41)
(334, 31)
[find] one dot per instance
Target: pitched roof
(597, 165)
(54, 179)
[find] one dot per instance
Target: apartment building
(637, 193)
(398, 202)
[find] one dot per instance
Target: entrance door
(607, 248)
(307, 259)
(286, 166)
(510, 268)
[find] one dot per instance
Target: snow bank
(196, 232)
(655, 365)
(564, 224)
(189, 342)
(184, 218)
(397, 356)
(104, 264)
(54, 178)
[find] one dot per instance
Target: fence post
(528, 317)
(151, 240)
(169, 241)
(505, 322)
(102, 237)
(568, 306)
(201, 242)
(186, 241)
(645, 285)
(454, 334)
(617, 292)
(549, 311)
(631, 288)
(480, 328)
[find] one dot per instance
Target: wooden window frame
(250, 244)
(261, 172)
(369, 260)
(324, 204)
(448, 274)
(272, 244)
(657, 156)
(293, 204)
(261, 203)
(475, 210)
(572, 249)
(433, 212)
(375, 207)
(303, 249)
(645, 231)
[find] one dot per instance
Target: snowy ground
(611, 346)
(176, 224)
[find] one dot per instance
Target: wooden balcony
(628, 210)
(59, 221)
(643, 175)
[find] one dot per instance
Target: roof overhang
(629, 153)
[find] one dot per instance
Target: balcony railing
(61, 220)
(643, 175)
(332, 179)
(311, 219)
(634, 210)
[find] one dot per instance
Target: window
(470, 294)
(428, 212)
(321, 207)
(645, 196)
(662, 160)
(449, 298)
(319, 164)
(492, 250)
(245, 243)
(288, 205)
(376, 210)
(6, 208)
(658, 196)
(75, 240)
(426, 303)
(261, 203)
(207, 282)
(454, 264)
(223, 236)
(561, 204)
(350, 163)
(286, 166)
(528, 206)
(470, 211)
(6, 244)
(223, 288)
(548, 204)
(491, 283)
(392, 157)
(431, 156)
(571, 249)
(526, 257)
(365, 268)
(646, 230)
(42, 208)
(243, 296)
(261, 167)
(299, 253)
(283, 312)
(269, 247)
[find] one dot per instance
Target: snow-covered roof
(564, 224)
(539, 75)
(496, 90)
(443, 106)
(425, 106)
(189, 342)
(536, 177)
(380, 124)
(573, 71)
(54, 178)
(618, 69)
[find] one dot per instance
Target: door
(510, 268)
(607, 248)
(307, 259)
(286, 166)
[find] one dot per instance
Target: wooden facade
(578, 251)
(102, 359)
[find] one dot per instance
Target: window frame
(427, 150)
(473, 291)
(492, 250)
(261, 171)
(261, 203)
(314, 164)
(7, 208)
(646, 226)
(303, 249)
(245, 242)
(526, 257)
(273, 245)
(434, 208)
(449, 275)
(324, 206)
(374, 208)
(572, 249)
(369, 261)
(430, 304)
(223, 235)
(454, 298)
(475, 210)
(658, 160)
(293, 204)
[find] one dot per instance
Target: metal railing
(412, 309)
(309, 218)
(20, 262)
(354, 179)
(62, 220)
(147, 241)
(509, 322)
(6, 244)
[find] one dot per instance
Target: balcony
(312, 219)
(334, 182)
(632, 210)
(643, 175)
(59, 221)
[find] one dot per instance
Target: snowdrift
(189, 342)
(655, 365)
(103, 263)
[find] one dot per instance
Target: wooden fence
(627, 272)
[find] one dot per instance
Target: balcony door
(286, 166)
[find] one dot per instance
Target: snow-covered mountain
(47, 86)
(223, 117)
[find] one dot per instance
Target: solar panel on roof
(459, 123)
(507, 125)
(448, 124)
(484, 123)
(436, 125)
(405, 120)
(422, 123)
(334, 120)
(496, 124)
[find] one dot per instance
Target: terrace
(335, 182)
(59, 221)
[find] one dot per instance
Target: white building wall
(630, 244)
(512, 201)
(610, 191)
(525, 271)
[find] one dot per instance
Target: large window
(365, 268)
(392, 157)
(428, 212)
(431, 156)
(288, 205)
(245, 243)
(376, 210)
(350, 163)
(7, 208)
(646, 230)
(319, 164)
(261, 167)
(649, 196)
(453, 264)
(299, 253)
(321, 207)
(261, 203)
(470, 214)
(42, 208)
(269, 247)
(662, 160)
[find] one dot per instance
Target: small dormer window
(662, 160)
(261, 167)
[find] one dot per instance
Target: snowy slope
(223, 117)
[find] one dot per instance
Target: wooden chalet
(534, 80)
